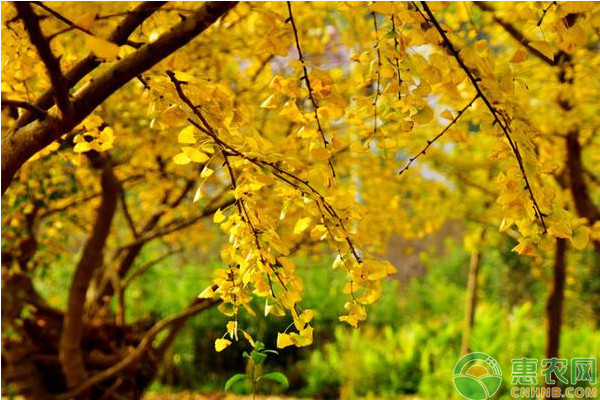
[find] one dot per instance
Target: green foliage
(256, 359)
(235, 379)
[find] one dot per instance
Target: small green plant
(256, 358)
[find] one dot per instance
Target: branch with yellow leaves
(516, 34)
(21, 143)
(495, 114)
(119, 36)
(302, 185)
(396, 59)
(72, 25)
(311, 95)
(436, 137)
(378, 73)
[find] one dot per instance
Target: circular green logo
(477, 376)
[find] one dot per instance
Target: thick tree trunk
(70, 352)
(471, 301)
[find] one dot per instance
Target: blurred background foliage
(412, 337)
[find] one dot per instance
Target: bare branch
(141, 270)
(126, 212)
(59, 84)
(36, 111)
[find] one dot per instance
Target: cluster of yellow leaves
(380, 94)
(95, 136)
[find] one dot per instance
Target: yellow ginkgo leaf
(194, 154)
(320, 153)
(219, 216)
(284, 340)
(181, 159)
(423, 116)
(581, 237)
(102, 48)
(207, 293)
(186, 136)
(269, 102)
(222, 344)
(301, 225)
(206, 172)
(519, 56)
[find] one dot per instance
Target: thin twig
(436, 137)
(552, 3)
(378, 83)
(396, 57)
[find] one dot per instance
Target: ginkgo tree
(316, 127)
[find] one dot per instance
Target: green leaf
(276, 377)
(234, 379)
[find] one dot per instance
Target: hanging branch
(302, 185)
(378, 83)
(439, 135)
(495, 114)
(308, 85)
(59, 84)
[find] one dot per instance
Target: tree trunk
(70, 352)
(554, 305)
(471, 301)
